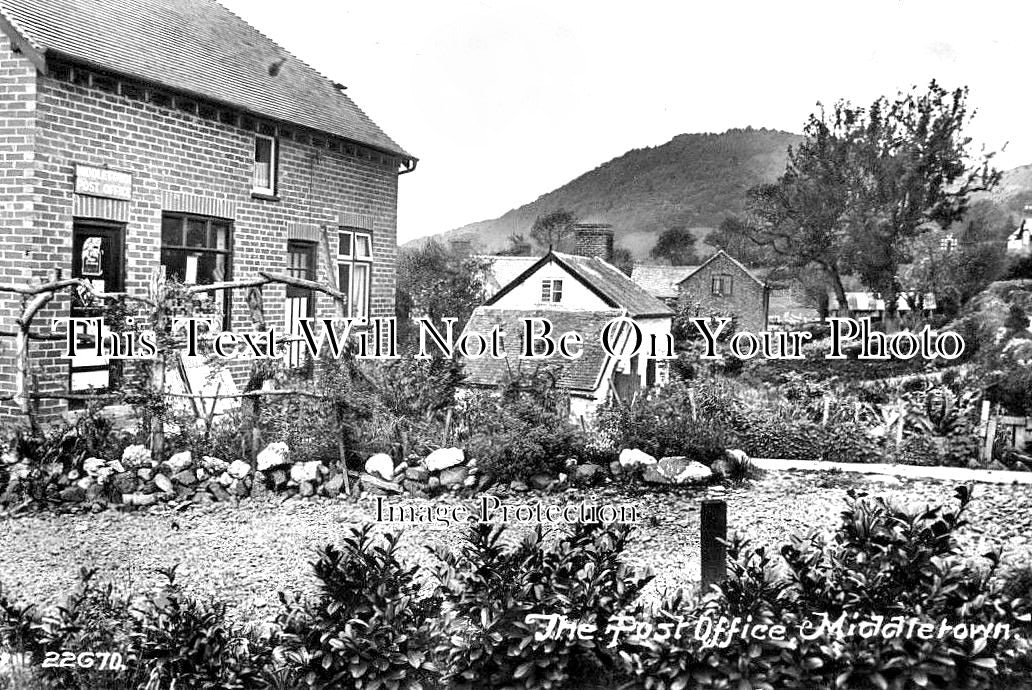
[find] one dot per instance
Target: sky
(505, 101)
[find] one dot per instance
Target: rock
(433, 483)
(225, 479)
(306, 489)
(541, 481)
(139, 499)
(9, 457)
(381, 464)
(417, 474)
(305, 471)
(332, 486)
(125, 482)
(653, 476)
(721, 467)
(375, 485)
(517, 485)
(163, 483)
(201, 474)
(274, 455)
(453, 476)
(680, 470)
(95, 467)
(632, 457)
(136, 456)
(186, 478)
(94, 493)
(145, 473)
(179, 462)
(615, 468)
(213, 465)
(278, 478)
(470, 481)
(238, 469)
(73, 494)
(218, 492)
(586, 473)
(443, 458)
(86, 482)
(203, 498)
(238, 488)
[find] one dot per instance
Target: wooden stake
(712, 534)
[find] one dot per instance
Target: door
(301, 262)
(97, 256)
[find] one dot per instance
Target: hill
(693, 180)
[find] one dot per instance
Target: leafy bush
(490, 589)
(368, 628)
(882, 561)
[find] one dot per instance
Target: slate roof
(581, 374)
(660, 281)
(198, 47)
(730, 258)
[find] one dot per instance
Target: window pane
(196, 233)
(174, 262)
(262, 163)
(344, 246)
(360, 290)
(363, 247)
(546, 290)
(220, 236)
(172, 231)
(344, 281)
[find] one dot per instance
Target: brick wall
(747, 300)
(195, 159)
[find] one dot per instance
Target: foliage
(489, 590)
(677, 245)
(368, 628)
(882, 561)
(554, 230)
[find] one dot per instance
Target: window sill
(264, 196)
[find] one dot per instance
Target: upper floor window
(551, 290)
(723, 285)
(264, 179)
(355, 269)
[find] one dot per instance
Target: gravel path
(245, 553)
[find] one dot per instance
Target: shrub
(368, 628)
(490, 589)
(882, 561)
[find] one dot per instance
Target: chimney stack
(594, 239)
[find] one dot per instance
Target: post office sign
(103, 182)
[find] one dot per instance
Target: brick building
(170, 136)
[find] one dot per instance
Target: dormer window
(551, 291)
(264, 178)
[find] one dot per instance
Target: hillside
(693, 180)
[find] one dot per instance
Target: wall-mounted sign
(111, 184)
(92, 256)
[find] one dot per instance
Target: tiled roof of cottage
(660, 281)
(198, 47)
(582, 374)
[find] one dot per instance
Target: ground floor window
(198, 250)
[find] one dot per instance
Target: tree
(623, 259)
(554, 230)
(517, 246)
(676, 244)
(733, 237)
(866, 181)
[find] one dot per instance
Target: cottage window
(198, 250)
(723, 285)
(551, 291)
(264, 179)
(355, 270)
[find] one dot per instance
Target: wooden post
(691, 401)
(902, 421)
(827, 411)
(713, 551)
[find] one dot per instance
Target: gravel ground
(245, 553)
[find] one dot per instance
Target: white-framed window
(355, 269)
(552, 290)
(263, 180)
(723, 285)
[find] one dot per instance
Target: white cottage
(579, 292)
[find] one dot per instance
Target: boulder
(213, 465)
(238, 488)
(417, 474)
(225, 479)
(145, 473)
(86, 482)
(186, 477)
(652, 475)
(136, 456)
(218, 492)
(73, 494)
(179, 461)
(124, 482)
(615, 468)
(332, 486)
(238, 469)
(306, 489)
(632, 457)
(443, 458)
(274, 455)
(95, 467)
(433, 483)
(453, 476)
(680, 470)
(305, 471)
(139, 499)
(381, 464)
(541, 481)
(163, 483)
(375, 485)
(470, 481)
(517, 485)
(278, 478)
(586, 473)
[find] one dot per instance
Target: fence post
(713, 551)
(902, 421)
